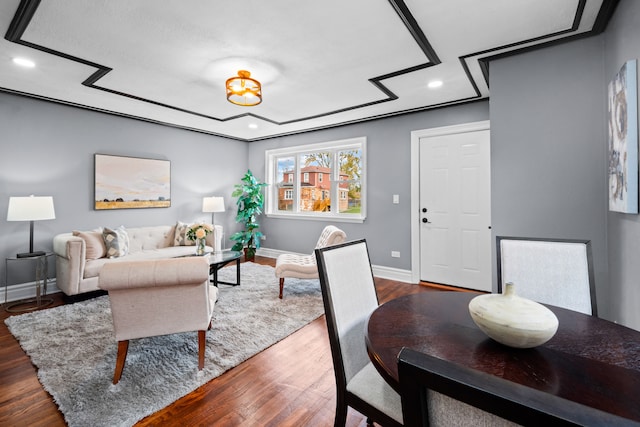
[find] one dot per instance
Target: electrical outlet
(263, 237)
(395, 254)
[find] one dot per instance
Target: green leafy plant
(250, 204)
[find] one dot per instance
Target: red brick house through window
(315, 190)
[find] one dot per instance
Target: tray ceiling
(321, 64)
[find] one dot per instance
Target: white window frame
(271, 178)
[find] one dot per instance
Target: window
(317, 181)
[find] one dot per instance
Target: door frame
(415, 182)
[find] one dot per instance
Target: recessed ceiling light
(434, 84)
(253, 126)
(24, 62)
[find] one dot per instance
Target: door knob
(424, 209)
(426, 221)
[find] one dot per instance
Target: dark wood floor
(289, 384)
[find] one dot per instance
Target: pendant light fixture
(243, 90)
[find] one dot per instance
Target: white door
(455, 209)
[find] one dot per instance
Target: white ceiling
(321, 63)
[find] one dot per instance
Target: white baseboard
(378, 270)
(392, 273)
(270, 253)
(26, 290)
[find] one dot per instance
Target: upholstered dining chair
(304, 266)
(550, 271)
(158, 297)
(436, 392)
(349, 297)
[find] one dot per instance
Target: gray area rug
(74, 349)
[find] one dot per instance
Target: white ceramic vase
(512, 320)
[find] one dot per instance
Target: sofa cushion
(116, 241)
(180, 238)
(94, 243)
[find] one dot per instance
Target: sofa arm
(215, 234)
(70, 253)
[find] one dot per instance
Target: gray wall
(47, 149)
(387, 226)
(56, 144)
(549, 154)
(622, 43)
(548, 149)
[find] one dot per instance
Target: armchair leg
(281, 286)
(202, 340)
(123, 347)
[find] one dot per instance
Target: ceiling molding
(28, 8)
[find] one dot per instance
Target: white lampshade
(30, 208)
(213, 204)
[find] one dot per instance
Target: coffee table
(219, 259)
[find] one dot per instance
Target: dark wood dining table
(589, 360)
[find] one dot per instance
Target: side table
(41, 276)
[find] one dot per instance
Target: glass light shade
(243, 90)
(213, 204)
(30, 208)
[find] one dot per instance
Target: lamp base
(30, 254)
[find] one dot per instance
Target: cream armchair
(158, 297)
(304, 266)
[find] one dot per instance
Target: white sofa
(80, 256)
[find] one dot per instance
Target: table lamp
(213, 205)
(30, 209)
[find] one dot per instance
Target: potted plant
(250, 204)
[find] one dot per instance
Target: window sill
(358, 219)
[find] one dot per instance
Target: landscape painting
(622, 106)
(131, 182)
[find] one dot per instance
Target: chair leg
(123, 347)
(281, 286)
(341, 415)
(202, 340)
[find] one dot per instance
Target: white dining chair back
(550, 271)
(349, 297)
